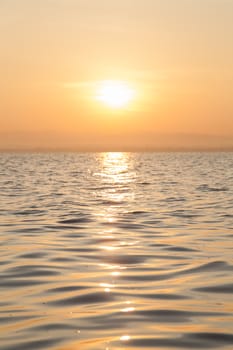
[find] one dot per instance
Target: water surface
(116, 251)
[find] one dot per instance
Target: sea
(116, 251)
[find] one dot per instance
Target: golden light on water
(115, 273)
(115, 166)
(128, 309)
(113, 157)
(106, 285)
(109, 248)
(115, 169)
(125, 338)
(117, 179)
(115, 94)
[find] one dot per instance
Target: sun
(114, 93)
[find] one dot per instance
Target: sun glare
(115, 94)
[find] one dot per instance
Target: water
(116, 251)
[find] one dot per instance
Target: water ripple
(116, 251)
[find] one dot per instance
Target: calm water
(116, 251)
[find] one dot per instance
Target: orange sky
(176, 54)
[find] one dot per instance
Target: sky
(176, 55)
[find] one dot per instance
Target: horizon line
(125, 149)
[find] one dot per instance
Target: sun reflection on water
(116, 192)
(115, 163)
(125, 338)
(116, 170)
(116, 189)
(128, 309)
